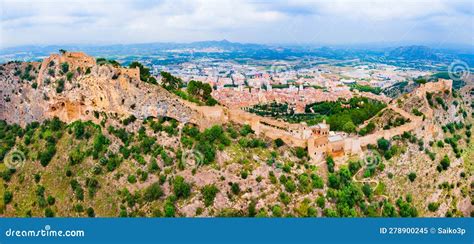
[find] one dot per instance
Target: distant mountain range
(224, 44)
(415, 53)
(134, 48)
(395, 55)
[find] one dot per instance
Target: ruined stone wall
(372, 138)
(381, 98)
(74, 59)
(416, 122)
(268, 127)
(207, 116)
(240, 116)
(317, 145)
(133, 73)
(439, 86)
(119, 90)
(274, 133)
(320, 145)
(352, 145)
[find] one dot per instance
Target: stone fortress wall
(441, 85)
(117, 89)
(82, 61)
(318, 139)
(133, 73)
(74, 59)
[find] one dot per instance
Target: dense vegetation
(87, 144)
(102, 61)
(170, 82)
(366, 88)
(201, 91)
(91, 145)
(272, 109)
(196, 92)
(72, 168)
(342, 115)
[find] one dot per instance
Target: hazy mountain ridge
(415, 53)
(248, 50)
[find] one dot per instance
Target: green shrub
(64, 67)
(59, 86)
(132, 179)
(153, 192)
(48, 213)
(90, 212)
(444, 163)
(235, 188)
(277, 211)
(69, 76)
(246, 129)
(300, 152)
(169, 209)
(279, 142)
(433, 206)
(330, 164)
(320, 201)
(7, 197)
(209, 192)
(51, 200)
(181, 188)
(383, 144)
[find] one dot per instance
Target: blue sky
(336, 22)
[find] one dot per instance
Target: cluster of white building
(241, 85)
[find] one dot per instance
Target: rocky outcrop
(89, 87)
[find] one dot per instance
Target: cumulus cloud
(24, 22)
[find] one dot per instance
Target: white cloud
(384, 10)
(127, 21)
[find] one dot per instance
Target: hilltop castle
(319, 140)
(119, 91)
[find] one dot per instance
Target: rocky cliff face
(73, 86)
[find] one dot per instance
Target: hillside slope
(76, 150)
(73, 86)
